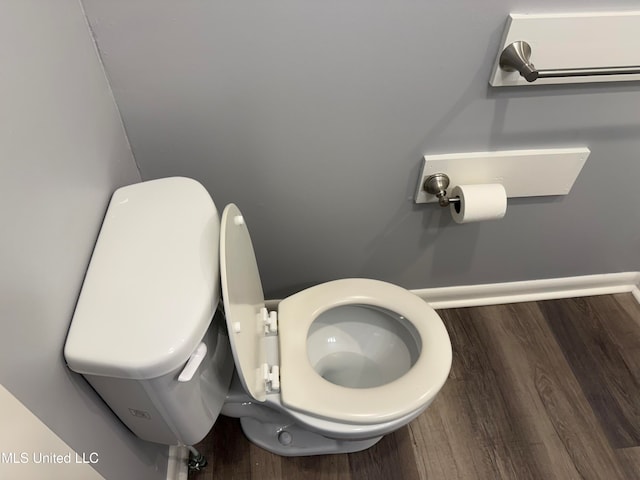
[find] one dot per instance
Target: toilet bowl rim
(342, 430)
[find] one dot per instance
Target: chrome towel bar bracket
(516, 57)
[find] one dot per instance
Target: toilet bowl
(332, 369)
(367, 372)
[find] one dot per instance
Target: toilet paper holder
(437, 184)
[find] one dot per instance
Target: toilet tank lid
(152, 285)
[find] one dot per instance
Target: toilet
(171, 329)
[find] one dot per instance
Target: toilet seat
(255, 351)
(303, 389)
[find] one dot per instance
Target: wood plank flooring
(538, 390)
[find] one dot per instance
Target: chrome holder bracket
(437, 185)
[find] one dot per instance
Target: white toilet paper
(478, 202)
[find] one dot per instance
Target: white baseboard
(636, 292)
(531, 290)
(177, 467)
(526, 291)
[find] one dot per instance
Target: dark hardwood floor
(539, 390)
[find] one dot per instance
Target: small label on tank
(140, 413)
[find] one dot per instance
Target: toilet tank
(147, 304)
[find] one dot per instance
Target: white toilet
(338, 365)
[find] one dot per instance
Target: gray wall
(62, 152)
(313, 117)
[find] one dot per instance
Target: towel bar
(516, 57)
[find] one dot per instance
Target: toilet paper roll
(478, 202)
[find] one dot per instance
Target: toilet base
(292, 441)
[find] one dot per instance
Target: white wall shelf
(523, 173)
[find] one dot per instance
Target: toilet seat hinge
(271, 375)
(269, 320)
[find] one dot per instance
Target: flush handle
(193, 363)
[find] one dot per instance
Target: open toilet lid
(243, 299)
